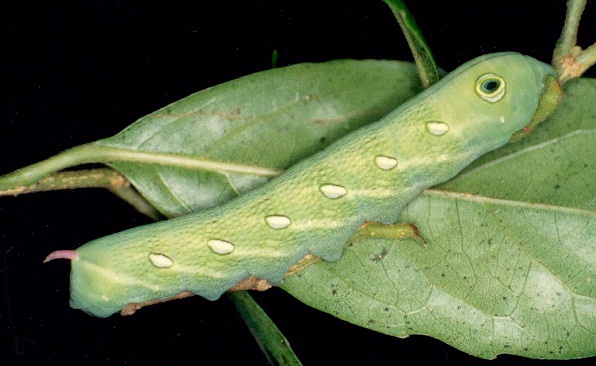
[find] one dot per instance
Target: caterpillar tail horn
(62, 254)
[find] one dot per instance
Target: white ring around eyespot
(494, 96)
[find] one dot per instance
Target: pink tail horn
(62, 254)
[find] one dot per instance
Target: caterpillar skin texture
(317, 204)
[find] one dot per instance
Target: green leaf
(562, 174)
(492, 280)
(270, 119)
(511, 257)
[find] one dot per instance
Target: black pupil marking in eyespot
(490, 86)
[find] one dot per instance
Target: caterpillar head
(502, 93)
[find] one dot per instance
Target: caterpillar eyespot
(316, 205)
(490, 87)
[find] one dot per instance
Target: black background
(83, 71)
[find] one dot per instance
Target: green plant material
(274, 57)
(271, 341)
(510, 261)
(207, 148)
(90, 178)
(568, 58)
(96, 153)
(568, 38)
(562, 174)
(425, 62)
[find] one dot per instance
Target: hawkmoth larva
(317, 204)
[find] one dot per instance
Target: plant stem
(90, 178)
(425, 63)
(271, 341)
(568, 58)
(95, 153)
(568, 38)
(133, 198)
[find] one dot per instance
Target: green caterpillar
(317, 204)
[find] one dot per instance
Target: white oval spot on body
(385, 162)
(105, 298)
(278, 221)
(437, 128)
(502, 119)
(160, 260)
(221, 246)
(333, 191)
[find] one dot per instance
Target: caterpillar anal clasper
(316, 205)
